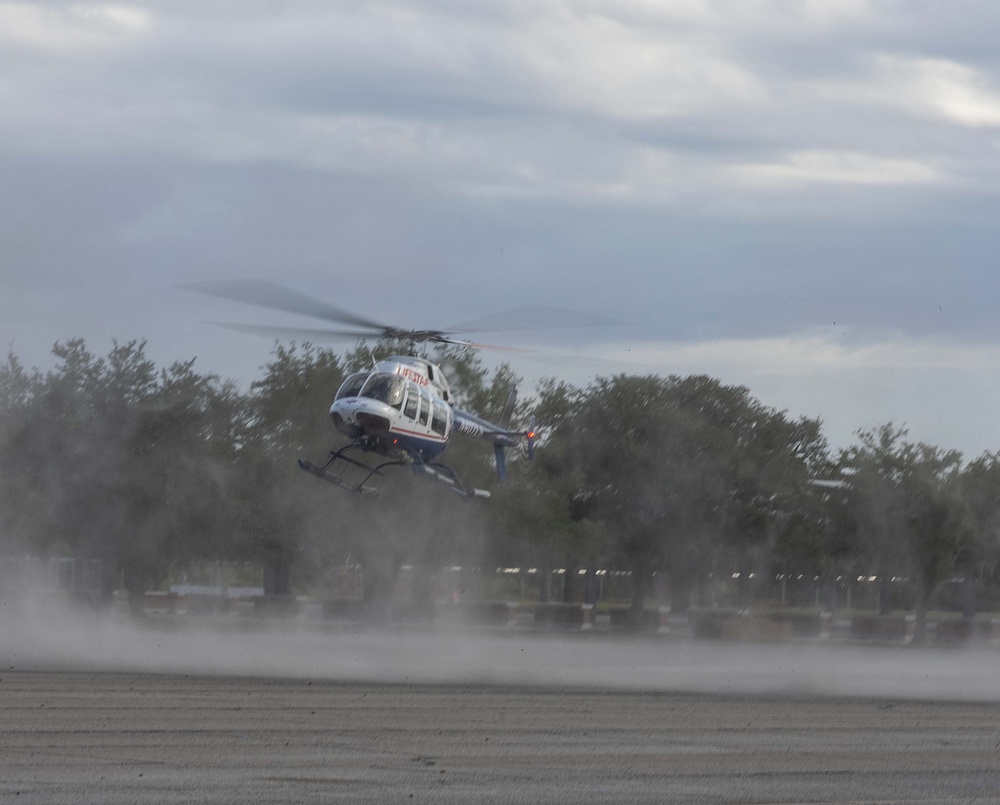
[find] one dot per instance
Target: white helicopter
(402, 408)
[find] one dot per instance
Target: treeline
(155, 470)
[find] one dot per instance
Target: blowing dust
(35, 638)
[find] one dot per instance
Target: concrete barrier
(203, 604)
(966, 631)
(651, 619)
(277, 606)
(755, 630)
(487, 613)
(730, 624)
(159, 602)
(804, 624)
(706, 624)
(341, 608)
(566, 616)
(423, 612)
(882, 627)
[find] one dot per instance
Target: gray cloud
(707, 171)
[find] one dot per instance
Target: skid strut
(349, 473)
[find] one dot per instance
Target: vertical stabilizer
(508, 409)
(501, 462)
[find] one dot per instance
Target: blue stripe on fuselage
(427, 449)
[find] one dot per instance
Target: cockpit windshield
(352, 386)
(385, 388)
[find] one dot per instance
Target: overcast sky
(798, 195)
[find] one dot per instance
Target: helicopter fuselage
(401, 406)
(402, 409)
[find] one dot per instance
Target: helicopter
(400, 410)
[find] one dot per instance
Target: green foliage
(913, 513)
(536, 518)
(111, 459)
(980, 484)
(685, 471)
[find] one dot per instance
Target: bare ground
(144, 738)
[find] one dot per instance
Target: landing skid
(446, 475)
(348, 473)
(355, 476)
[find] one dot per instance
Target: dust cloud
(35, 638)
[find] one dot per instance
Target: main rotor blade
(319, 334)
(534, 317)
(294, 333)
(278, 297)
(584, 362)
(461, 342)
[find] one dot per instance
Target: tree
(655, 470)
(981, 558)
(686, 470)
(875, 469)
(130, 464)
(911, 513)
(22, 502)
(537, 517)
(280, 514)
(938, 522)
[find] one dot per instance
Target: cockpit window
(385, 388)
(352, 386)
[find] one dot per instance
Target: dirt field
(145, 738)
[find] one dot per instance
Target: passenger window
(410, 406)
(425, 408)
(440, 423)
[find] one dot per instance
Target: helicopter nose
(373, 423)
(351, 431)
